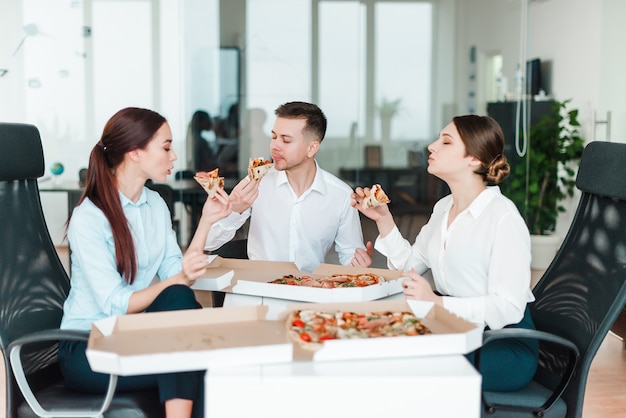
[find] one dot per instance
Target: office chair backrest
(167, 193)
(33, 282)
(584, 289)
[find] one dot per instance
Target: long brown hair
(484, 140)
(129, 129)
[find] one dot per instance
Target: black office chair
(167, 193)
(33, 287)
(578, 298)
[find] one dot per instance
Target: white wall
(11, 101)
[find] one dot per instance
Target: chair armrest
(505, 333)
(20, 377)
(51, 335)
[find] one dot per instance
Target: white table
(437, 386)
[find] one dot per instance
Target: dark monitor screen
(533, 76)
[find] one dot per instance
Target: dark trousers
(186, 385)
(508, 364)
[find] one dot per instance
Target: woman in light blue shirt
(125, 258)
(476, 245)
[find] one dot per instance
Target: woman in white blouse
(476, 245)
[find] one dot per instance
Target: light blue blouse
(97, 289)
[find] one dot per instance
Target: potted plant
(546, 176)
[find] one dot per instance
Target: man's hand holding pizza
(244, 194)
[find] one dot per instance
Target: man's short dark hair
(315, 118)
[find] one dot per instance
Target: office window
(278, 54)
(342, 66)
(357, 59)
(403, 50)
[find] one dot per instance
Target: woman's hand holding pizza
(244, 194)
(417, 287)
(375, 213)
(379, 214)
(217, 208)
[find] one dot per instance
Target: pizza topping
(257, 162)
(330, 282)
(258, 168)
(312, 326)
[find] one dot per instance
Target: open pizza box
(224, 272)
(450, 333)
(250, 277)
(186, 340)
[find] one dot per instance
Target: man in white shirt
(298, 210)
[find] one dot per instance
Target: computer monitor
(533, 77)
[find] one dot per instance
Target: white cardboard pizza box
(221, 278)
(186, 340)
(451, 334)
(252, 277)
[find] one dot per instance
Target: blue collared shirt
(97, 289)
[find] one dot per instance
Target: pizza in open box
(258, 168)
(210, 181)
(310, 328)
(330, 282)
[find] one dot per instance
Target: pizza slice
(376, 197)
(258, 168)
(210, 181)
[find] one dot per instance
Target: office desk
(432, 386)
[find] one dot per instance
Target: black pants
(509, 364)
(186, 385)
